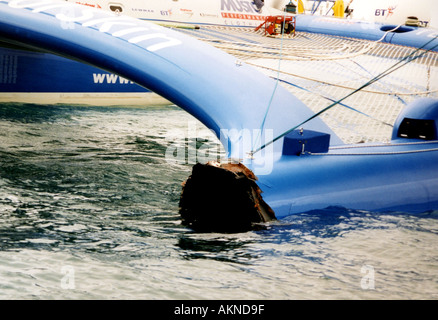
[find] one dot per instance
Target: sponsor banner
(242, 16)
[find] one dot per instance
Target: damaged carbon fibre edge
(224, 198)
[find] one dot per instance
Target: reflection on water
(226, 249)
(89, 190)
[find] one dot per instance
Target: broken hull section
(397, 177)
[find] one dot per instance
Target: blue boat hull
(33, 73)
(29, 71)
(369, 178)
(409, 36)
(32, 76)
(231, 99)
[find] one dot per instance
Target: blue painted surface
(228, 96)
(26, 71)
(426, 109)
(368, 178)
(204, 81)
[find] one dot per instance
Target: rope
(275, 87)
(342, 65)
(303, 46)
(343, 86)
(294, 52)
(372, 153)
(385, 145)
(333, 100)
(297, 50)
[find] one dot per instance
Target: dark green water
(89, 210)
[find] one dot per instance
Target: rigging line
(363, 68)
(409, 58)
(382, 83)
(373, 153)
(276, 84)
(384, 145)
(333, 100)
(341, 86)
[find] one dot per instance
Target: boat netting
(320, 69)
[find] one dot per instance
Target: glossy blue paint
(374, 178)
(204, 81)
(402, 35)
(30, 71)
(424, 109)
(229, 96)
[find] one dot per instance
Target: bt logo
(385, 12)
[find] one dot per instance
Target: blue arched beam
(208, 83)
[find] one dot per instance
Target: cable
(343, 86)
(276, 82)
(333, 100)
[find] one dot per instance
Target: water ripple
(89, 190)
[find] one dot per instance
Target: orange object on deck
(275, 25)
